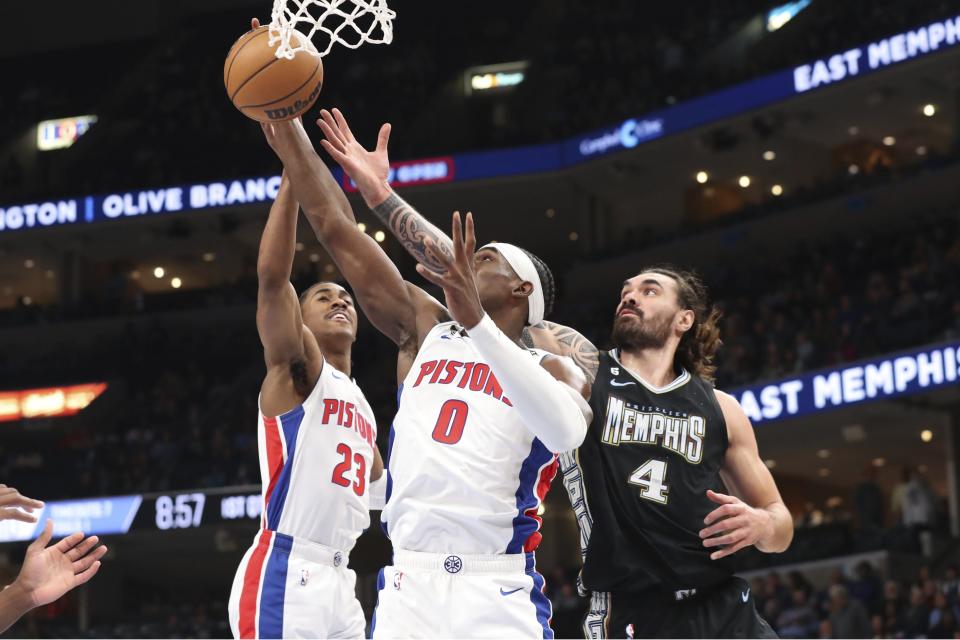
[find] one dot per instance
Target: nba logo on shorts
(337, 559)
(397, 577)
(630, 631)
(453, 564)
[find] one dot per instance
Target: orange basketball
(267, 88)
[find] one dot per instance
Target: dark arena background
(804, 158)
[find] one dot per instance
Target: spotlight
(702, 177)
(929, 110)
(776, 190)
(158, 272)
(744, 181)
(769, 155)
(176, 283)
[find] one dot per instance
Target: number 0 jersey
(638, 482)
(315, 463)
(464, 473)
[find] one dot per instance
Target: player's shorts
(725, 611)
(428, 595)
(289, 587)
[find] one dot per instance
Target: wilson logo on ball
(285, 113)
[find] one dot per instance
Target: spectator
(917, 615)
(867, 587)
(868, 500)
(848, 618)
(799, 620)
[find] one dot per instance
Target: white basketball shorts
(427, 595)
(288, 587)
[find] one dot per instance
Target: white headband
(525, 269)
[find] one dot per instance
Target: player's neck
(339, 359)
(653, 366)
(510, 322)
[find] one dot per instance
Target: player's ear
(685, 319)
(523, 290)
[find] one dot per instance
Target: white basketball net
(349, 22)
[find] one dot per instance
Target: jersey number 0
(450, 422)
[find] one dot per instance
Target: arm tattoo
(412, 229)
(576, 346)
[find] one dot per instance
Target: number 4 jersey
(638, 482)
(464, 473)
(315, 462)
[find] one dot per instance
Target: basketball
(266, 88)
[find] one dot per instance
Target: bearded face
(634, 329)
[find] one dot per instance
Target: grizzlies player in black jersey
(668, 483)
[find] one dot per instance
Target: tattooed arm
(369, 170)
(564, 341)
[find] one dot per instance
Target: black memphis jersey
(638, 482)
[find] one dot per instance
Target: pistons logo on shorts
(453, 564)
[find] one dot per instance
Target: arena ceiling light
(779, 16)
(362, 227)
(921, 150)
(209, 256)
(702, 177)
(158, 272)
(776, 190)
(889, 141)
(744, 181)
(176, 283)
(379, 236)
(926, 435)
(769, 155)
(929, 110)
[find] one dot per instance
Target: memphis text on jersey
(678, 432)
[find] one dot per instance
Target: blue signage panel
(854, 383)
(93, 516)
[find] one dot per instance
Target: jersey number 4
(649, 477)
(450, 422)
(344, 467)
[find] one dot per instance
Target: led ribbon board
(866, 381)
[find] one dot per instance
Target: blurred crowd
(175, 422)
(862, 605)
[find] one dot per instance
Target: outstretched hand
(50, 572)
(368, 169)
(12, 505)
(738, 524)
(458, 278)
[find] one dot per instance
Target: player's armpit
(564, 341)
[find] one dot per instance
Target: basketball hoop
(349, 22)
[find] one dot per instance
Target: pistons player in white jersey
(481, 419)
(318, 454)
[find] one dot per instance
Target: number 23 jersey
(465, 475)
(638, 482)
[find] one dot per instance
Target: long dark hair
(700, 343)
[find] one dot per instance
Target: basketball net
(349, 22)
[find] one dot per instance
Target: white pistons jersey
(464, 473)
(315, 463)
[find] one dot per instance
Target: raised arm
(385, 298)
(279, 321)
(369, 170)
